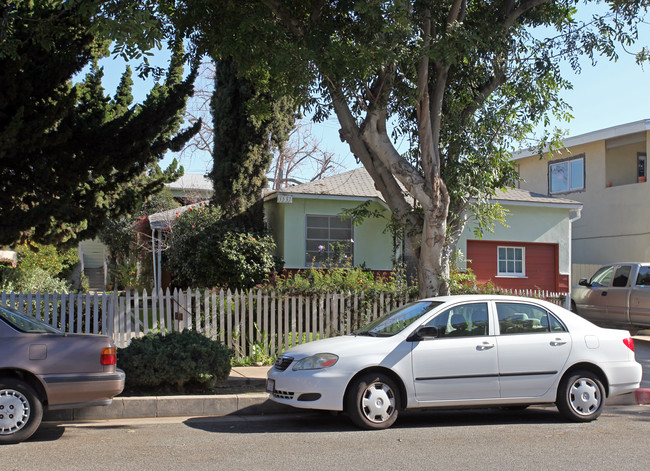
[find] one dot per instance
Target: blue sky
(607, 94)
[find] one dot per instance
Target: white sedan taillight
(629, 343)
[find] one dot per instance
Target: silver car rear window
(25, 323)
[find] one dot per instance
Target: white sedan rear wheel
(581, 396)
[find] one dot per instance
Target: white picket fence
(241, 320)
(246, 321)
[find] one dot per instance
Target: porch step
(95, 279)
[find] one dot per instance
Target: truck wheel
(21, 410)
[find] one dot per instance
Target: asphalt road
(533, 439)
(537, 438)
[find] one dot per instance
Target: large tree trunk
(433, 267)
(371, 144)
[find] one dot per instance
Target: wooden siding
(541, 266)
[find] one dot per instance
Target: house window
(565, 176)
(511, 261)
(642, 167)
(328, 239)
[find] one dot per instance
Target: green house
(308, 227)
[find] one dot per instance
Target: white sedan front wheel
(373, 401)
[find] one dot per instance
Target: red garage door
(516, 265)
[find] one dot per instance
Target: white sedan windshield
(399, 319)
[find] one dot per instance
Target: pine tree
(70, 156)
(248, 126)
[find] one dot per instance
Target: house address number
(285, 199)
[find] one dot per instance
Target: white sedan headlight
(316, 362)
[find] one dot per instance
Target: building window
(328, 239)
(642, 167)
(511, 261)
(565, 176)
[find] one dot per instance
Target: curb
(639, 397)
(173, 406)
(221, 405)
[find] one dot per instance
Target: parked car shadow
(52, 431)
(47, 432)
(319, 422)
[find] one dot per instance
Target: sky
(604, 95)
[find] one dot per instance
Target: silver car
(40, 366)
(617, 295)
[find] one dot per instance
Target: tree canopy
(463, 80)
(71, 156)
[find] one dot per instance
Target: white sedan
(451, 351)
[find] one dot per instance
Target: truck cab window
(602, 277)
(643, 279)
(621, 276)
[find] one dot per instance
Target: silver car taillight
(109, 356)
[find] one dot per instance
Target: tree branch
(513, 15)
(385, 181)
(289, 21)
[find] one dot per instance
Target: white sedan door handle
(485, 346)
(557, 342)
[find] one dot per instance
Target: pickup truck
(618, 295)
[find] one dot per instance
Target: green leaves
(71, 157)
(175, 361)
(206, 251)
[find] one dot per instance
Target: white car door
(462, 362)
(533, 347)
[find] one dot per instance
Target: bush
(33, 280)
(56, 262)
(178, 361)
(208, 252)
(343, 279)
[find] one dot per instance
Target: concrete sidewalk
(247, 403)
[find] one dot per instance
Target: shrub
(343, 279)
(177, 361)
(56, 262)
(208, 252)
(33, 280)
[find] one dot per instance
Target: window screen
(328, 238)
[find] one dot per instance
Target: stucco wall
(621, 164)
(534, 170)
(615, 222)
(531, 224)
(287, 221)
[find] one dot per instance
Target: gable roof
(358, 184)
(191, 182)
(521, 197)
(165, 219)
(354, 183)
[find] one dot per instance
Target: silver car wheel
(584, 396)
(14, 411)
(378, 402)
